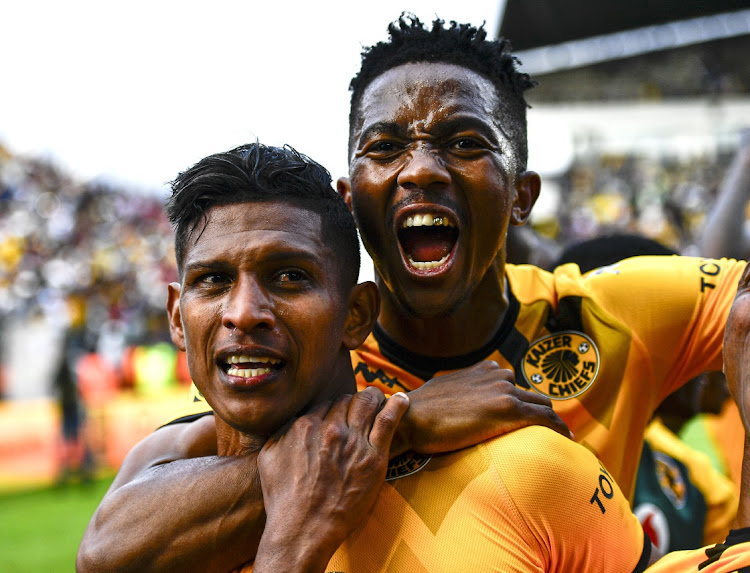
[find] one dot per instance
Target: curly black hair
(461, 44)
(257, 173)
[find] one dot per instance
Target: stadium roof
(547, 22)
(553, 35)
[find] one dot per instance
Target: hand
(469, 406)
(321, 475)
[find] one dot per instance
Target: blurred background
(641, 109)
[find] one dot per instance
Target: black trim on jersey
(189, 418)
(735, 537)
(645, 555)
(507, 340)
(567, 317)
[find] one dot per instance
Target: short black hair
(256, 173)
(461, 44)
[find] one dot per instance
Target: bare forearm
(202, 514)
(723, 229)
(285, 551)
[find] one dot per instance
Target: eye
(382, 149)
(468, 144)
(212, 280)
(293, 276)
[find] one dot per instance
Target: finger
(386, 421)
(321, 409)
(543, 415)
(339, 408)
(363, 408)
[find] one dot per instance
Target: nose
(424, 169)
(248, 306)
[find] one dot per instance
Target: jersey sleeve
(676, 308)
(570, 504)
(732, 556)
(195, 407)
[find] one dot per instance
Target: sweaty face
(260, 313)
(432, 180)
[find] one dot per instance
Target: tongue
(427, 244)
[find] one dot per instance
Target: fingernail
(402, 394)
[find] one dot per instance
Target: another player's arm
(175, 505)
(469, 406)
(723, 232)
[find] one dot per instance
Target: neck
(466, 328)
(232, 441)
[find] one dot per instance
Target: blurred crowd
(665, 199)
(82, 255)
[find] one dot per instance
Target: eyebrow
(454, 124)
(387, 127)
(277, 256)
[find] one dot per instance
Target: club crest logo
(671, 481)
(561, 365)
(406, 464)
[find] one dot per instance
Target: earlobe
(175, 318)
(527, 192)
(364, 306)
(344, 187)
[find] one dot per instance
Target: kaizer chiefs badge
(561, 365)
(406, 464)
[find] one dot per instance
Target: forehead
(428, 88)
(259, 228)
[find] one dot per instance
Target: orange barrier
(31, 443)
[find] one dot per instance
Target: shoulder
(541, 452)
(568, 501)
(545, 472)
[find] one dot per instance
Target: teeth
(239, 359)
(427, 264)
(248, 372)
(426, 220)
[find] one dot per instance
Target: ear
(528, 186)
(175, 318)
(344, 187)
(364, 306)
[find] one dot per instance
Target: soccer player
(268, 309)
(437, 174)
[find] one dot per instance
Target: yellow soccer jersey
(529, 501)
(605, 347)
(732, 556)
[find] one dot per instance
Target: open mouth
(250, 366)
(427, 240)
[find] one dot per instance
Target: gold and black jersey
(529, 501)
(606, 347)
